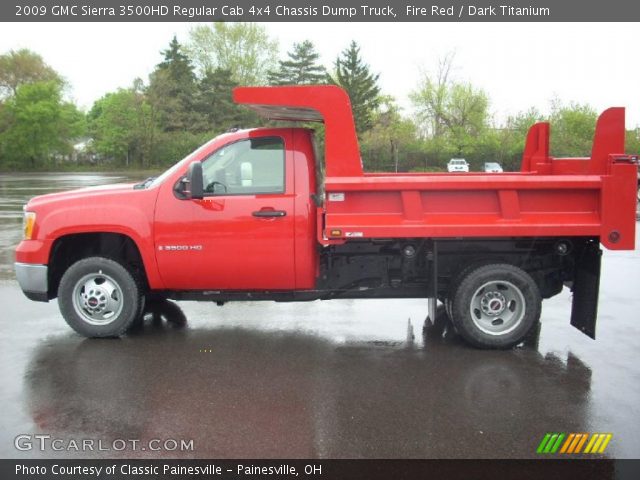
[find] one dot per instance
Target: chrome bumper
(33, 280)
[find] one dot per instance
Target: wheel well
(69, 249)
(537, 257)
(547, 277)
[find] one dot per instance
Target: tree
(391, 142)
(431, 97)
(214, 102)
(454, 111)
(352, 74)
(172, 88)
(467, 114)
(122, 127)
(37, 124)
(146, 123)
(512, 136)
(243, 48)
(23, 66)
(301, 68)
(112, 124)
(572, 129)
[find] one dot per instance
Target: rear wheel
(495, 306)
(99, 297)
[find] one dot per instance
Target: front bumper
(33, 280)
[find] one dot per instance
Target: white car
(492, 167)
(457, 165)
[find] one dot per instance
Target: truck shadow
(158, 315)
(240, 393)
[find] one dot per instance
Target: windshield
(458, 162)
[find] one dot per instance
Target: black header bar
(311, 469)
(320, 11)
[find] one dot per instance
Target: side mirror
(195, 183)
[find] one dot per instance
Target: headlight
(28, 222)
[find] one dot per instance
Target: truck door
(240, 236)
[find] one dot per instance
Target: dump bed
(549, 197)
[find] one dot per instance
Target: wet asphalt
(336, 379)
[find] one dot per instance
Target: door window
(247, 167)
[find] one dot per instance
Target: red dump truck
(258, 215)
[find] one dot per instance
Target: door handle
(269, 213)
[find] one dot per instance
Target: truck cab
(255, 208)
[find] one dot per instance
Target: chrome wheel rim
(97, 299)
(497, 307)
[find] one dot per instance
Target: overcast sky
(518, 65)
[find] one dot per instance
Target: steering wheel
(211, 187)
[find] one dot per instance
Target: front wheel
(495, 306)
(98, 297)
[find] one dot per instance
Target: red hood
(80, 194)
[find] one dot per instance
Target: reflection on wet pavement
(262, 394)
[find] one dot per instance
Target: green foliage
(431, 98)
(172, 146)
(21, 67)
(215, 104)
(122, 127)
(572, 129)
(391, 143)
(172, 89)
(189, 99)
(72, 125)
(176, 62)
(467, 116)
(455, 111)
(301, 68)
(453, 118)
(511, 138)
(37, 125)
(243, 48)
(352, 74)
(633, 142)
(159, 124)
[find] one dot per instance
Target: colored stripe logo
(574, 443)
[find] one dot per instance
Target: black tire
(495, 306)
(453, 287)
(138, 321)
(98, 297)
(447, 307)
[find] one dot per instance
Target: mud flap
(586, 287)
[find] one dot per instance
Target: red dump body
(549, 197)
